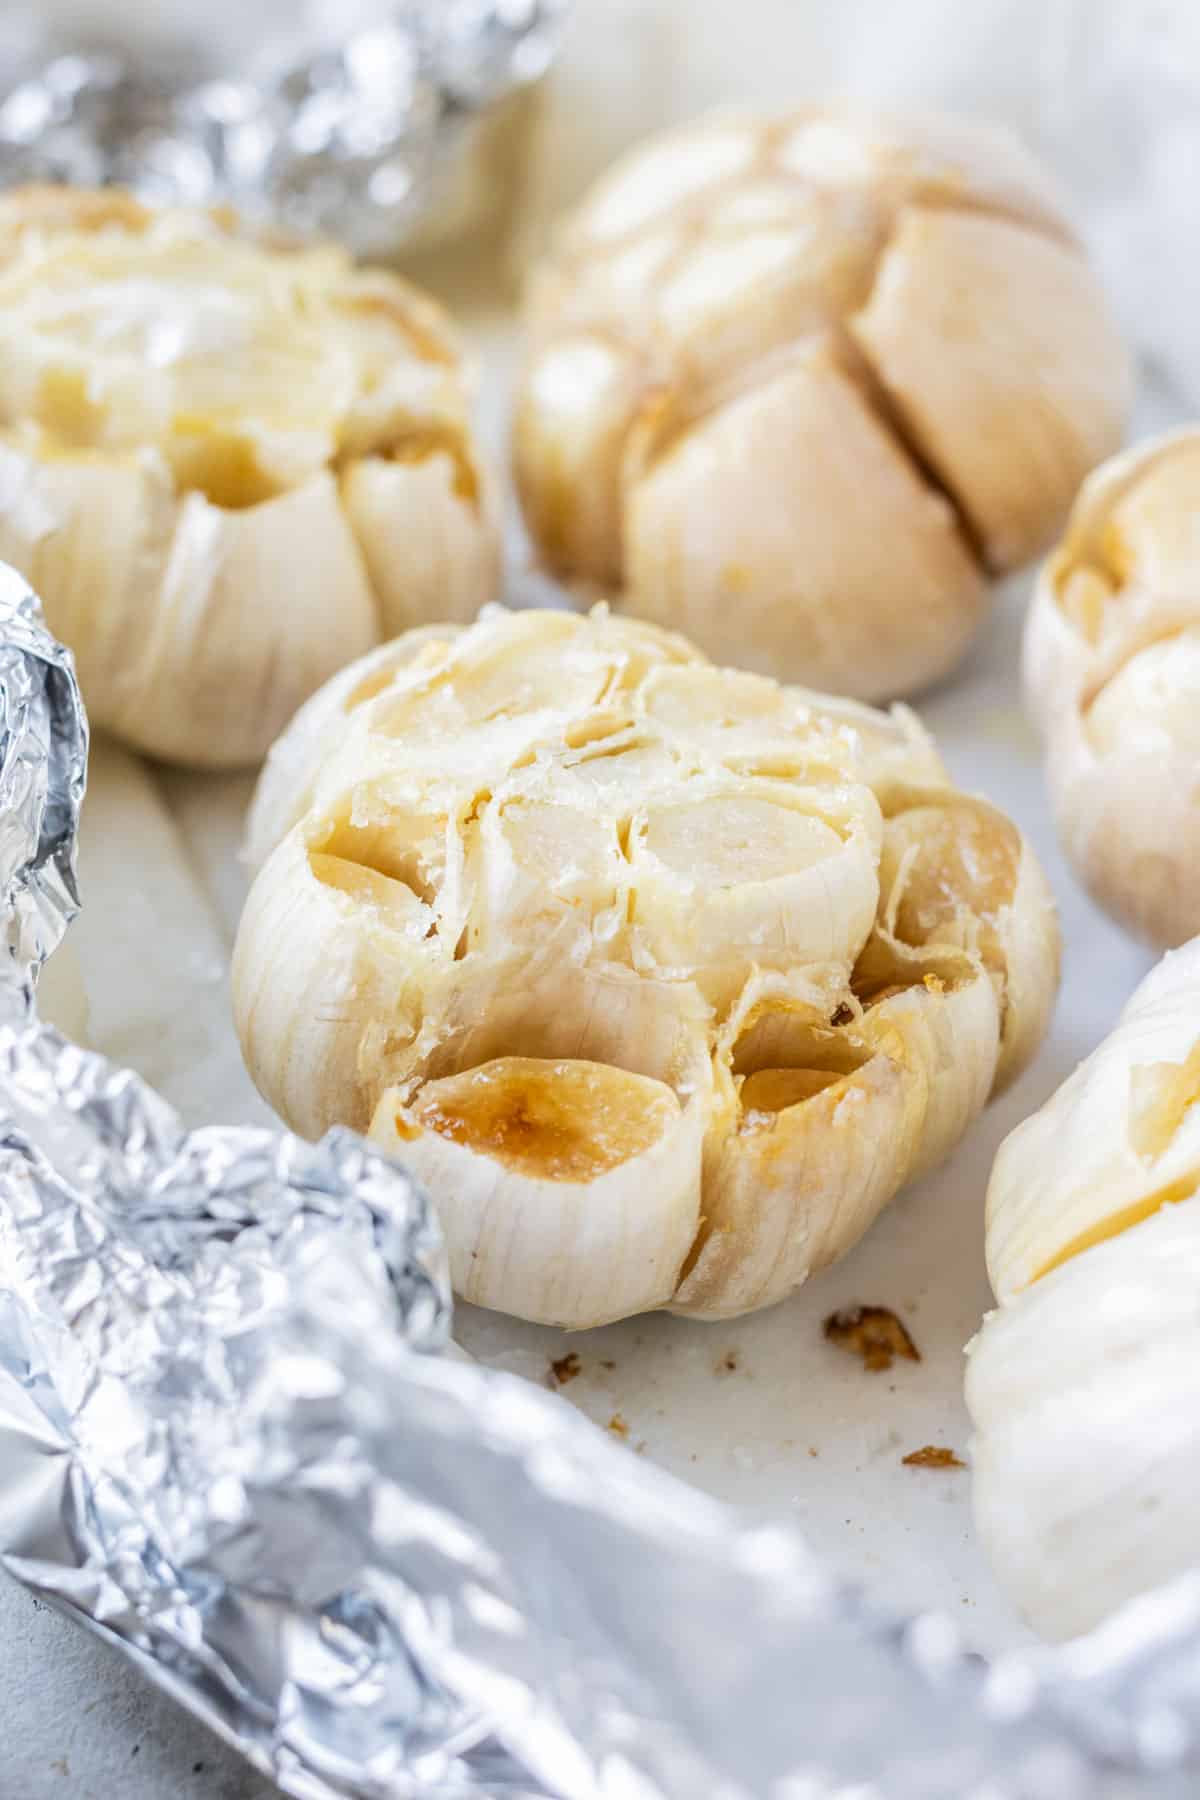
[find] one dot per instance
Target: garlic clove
(241, 672)
(739, 524)
(327, 981)
(417, 524)
(1119, 1139)
(284, 789)
(819, 1126)
(928, 157)
(731, 879)
(568, 1190)
(969, 371)
(569, 430)
(955, 873)
(754, 726)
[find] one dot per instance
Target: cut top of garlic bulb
(1112, 666)
(663, 975)
(792, 380)
(249, 368)
(228, 466)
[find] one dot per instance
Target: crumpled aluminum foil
(374, 121)
(229, 1444)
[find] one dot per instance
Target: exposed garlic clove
(567, 853)
(284, 788)
(568, 1190)
(227, 468)
(1112, 667)
(955, 873)
(1083, 1386)
(787, 375)
(760, 875)
(327, 974)
(818, 1127)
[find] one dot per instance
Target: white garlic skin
(1084, 1387)
(1112, 671)
(798, 385)
(551, 886)
(227, 468)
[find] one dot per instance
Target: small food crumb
(812, 1451)
(618, 1427)
(729, 1363)
(872, 1332)
(933, 1456)
(604, 1364)
(565, 1368)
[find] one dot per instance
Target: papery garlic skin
(1112, 671)
(663, 977)
(1084, 1387)
(228, 468)
(798, 385)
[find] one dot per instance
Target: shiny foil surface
(376, 121)
(232, 1443)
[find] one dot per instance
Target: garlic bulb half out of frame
(1112, 669)
(228, 468)
(1085, 1386)
(797, 385)
(663, 977)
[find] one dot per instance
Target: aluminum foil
(377, 121)
(232, 1443)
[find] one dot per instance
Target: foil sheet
(375, 122)
(233, 1442)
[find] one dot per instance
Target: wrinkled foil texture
(231, 1444)
(376, 120)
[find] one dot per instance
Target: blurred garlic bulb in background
(797, 385)
(1085, 1386)
(663, 977)
(227, 468)
(1112, 665)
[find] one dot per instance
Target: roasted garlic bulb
(797, 385)
(227, 468)
(1085, 1385)
(662, 976)
(1112, 664)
